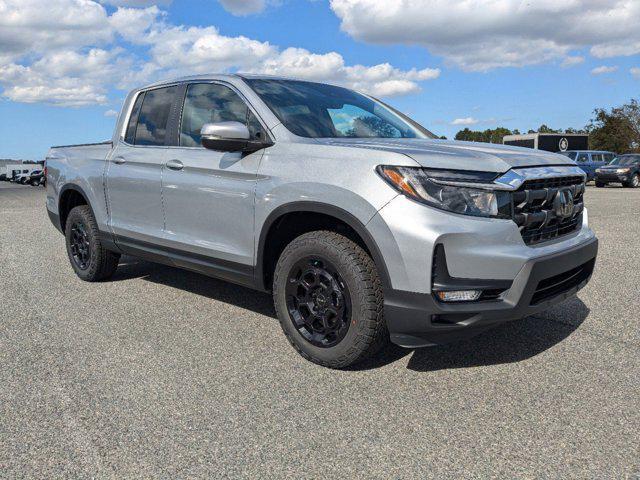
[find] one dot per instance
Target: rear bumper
(418, 319)
(55, 220)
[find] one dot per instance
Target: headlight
(423, 185)
(598, 170)
(623, 170)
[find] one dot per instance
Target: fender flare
(77, 188)
(326, 209)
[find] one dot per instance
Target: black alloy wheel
(318, 301)
(80, 246)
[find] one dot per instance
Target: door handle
(119, 160)
(175, 164)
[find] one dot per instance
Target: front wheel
(328, 297)
(634, 182)
(599, 184)
(89, 259)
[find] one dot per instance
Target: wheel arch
(267, 257)
(70, 196)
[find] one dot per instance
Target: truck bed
(108, 142)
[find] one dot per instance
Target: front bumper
(418, 319)
(613, 177)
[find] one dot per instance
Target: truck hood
(485, 157)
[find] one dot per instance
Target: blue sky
(59, 90)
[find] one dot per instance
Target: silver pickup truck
(363, 226)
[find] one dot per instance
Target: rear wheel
(89, 259)
(634, 181)
(328, 296)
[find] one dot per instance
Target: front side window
(317, 110)
(211, 103)
(154, 116)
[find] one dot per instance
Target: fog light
(459, 295)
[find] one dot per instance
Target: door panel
(134, 172)
(134, 191)
(208, 196)
(209, 203)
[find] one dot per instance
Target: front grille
(533, 208)
(558, 284)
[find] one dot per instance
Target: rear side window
(211, 103)
(596, 157)
(154, 116)
(583, 157)
(130, 136)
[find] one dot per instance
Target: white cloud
(479, 35)
(635, 71)
(465, 121)
(72, 53)
(569, 62)
(136, 3)
(64, 78)
(381, 80)
(603, 69)
(134, 23)
(243, 7)
(111, 113)
(33, 25)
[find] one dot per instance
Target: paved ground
(163, 373)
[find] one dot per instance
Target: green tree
(486, 136)
(544, 129)
(613, 131)
(371, 126)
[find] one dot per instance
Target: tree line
(616, 130)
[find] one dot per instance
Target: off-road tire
(102, 263)
(367, 332)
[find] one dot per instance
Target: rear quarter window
(130, 136)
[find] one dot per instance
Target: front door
(208, 196)
(134, 170)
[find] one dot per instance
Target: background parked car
(37, 178)
(22, 178)
(590, 160)
(624, 169)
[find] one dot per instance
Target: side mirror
(225, 136)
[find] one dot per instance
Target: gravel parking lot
(165, 373)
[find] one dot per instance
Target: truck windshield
(316, 110)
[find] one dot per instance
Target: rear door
(208, 195)
(597, 160)
(135, 166)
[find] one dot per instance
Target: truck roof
(217, 76)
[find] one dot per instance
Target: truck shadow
(508, 343)
(258, 302)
